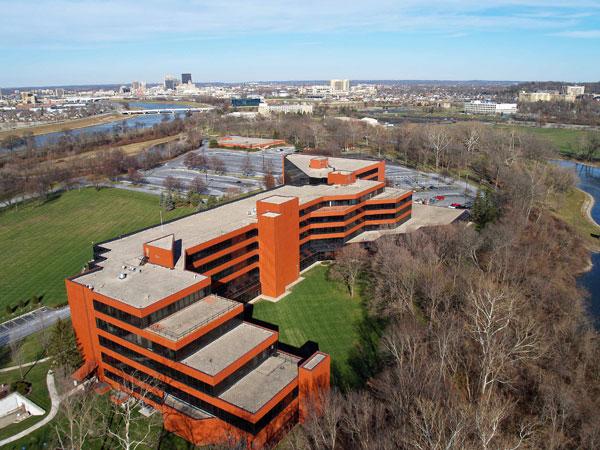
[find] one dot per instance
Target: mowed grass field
(322, 311)
(564, 139)
(42, 245)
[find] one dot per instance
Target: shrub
(21, 386)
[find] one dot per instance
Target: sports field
(322, 311)
(42, 245)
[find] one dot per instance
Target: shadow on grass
(364, 360)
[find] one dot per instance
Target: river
(131, 122)
(589, 181)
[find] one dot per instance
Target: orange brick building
(164, 307)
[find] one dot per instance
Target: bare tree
(247, 166)
(17, 354)
(503, 332)
(132, 430)
(80, 421)
(349, 263)
(438, 140)
(197, 185)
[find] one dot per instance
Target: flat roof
(220, 353)
(334, 164)
(422, 216)
(155, 282)
(190, 318)
(165, 243)
(138, 290)
(390, 193)
(241, 140)
(277, 199)
(314, 361)
(186, 408)
(254, 390)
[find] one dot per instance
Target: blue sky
(62, 42)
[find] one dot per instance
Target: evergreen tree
(211, 201)
(483, 210)
(62, 347)
(169, 203)
(162, 199)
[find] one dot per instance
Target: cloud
(579, 34)
(61, 23)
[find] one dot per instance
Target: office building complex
(490, 108)
(186, 78)
(164, 307)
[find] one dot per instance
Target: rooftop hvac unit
(139, 271)
(249, 212)
(123, 267)
(122, 276)
(132, 268)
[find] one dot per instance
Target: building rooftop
(138, 290)
(314, 361)
(390, 193)
(334, 164)
(247, 141)
(254, 390)
(422, 216)
(154, 282)
(186, 408)
(190, 318)
(165, 242)
(220, 353)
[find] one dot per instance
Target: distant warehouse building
(490, 108)
(266, 109)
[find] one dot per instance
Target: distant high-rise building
(28, 98)
(60, 92)
(339, 85)
(170, 83)
(186, 78)
(573, 90)
(135, 85)
(143, 85)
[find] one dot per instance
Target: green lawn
(322, 311)
(569, 210)
(42, 245)
(32, 351)
(564, 139)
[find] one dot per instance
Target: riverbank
(57, 127)
(575, 208)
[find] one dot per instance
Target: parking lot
(262, 161)
(428, 187)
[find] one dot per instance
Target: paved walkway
(53, 411)
(8, 369)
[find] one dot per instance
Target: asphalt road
(30, 323)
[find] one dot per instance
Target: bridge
(164, 110)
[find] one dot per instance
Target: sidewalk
(8, 369)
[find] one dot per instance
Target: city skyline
(462, 40)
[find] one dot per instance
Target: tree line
(487, 343)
